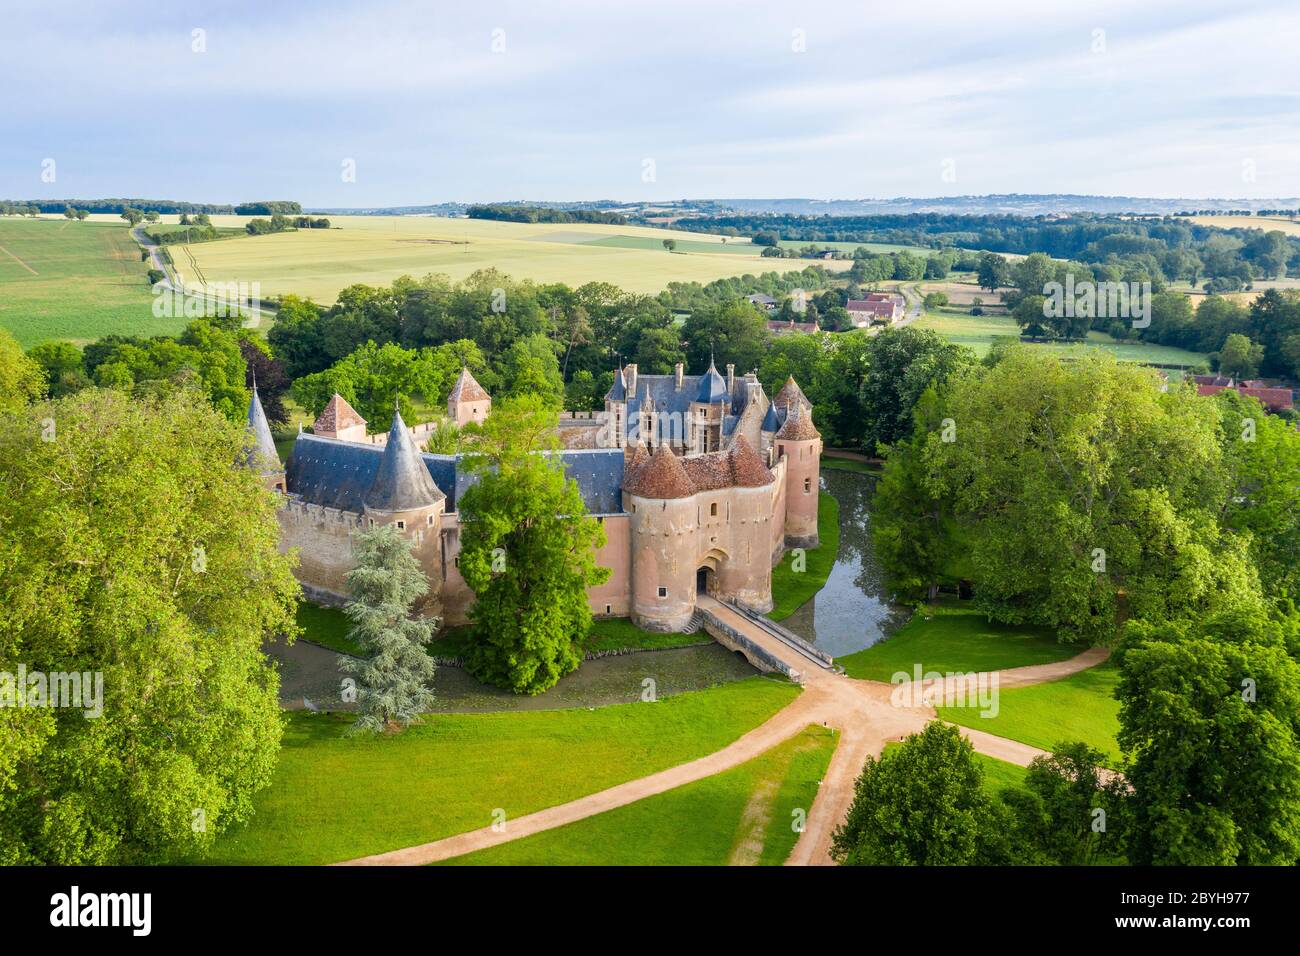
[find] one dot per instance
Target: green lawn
(74, 280)
(791, 589)
(978, 331)
(1079, 707)
(327, 626)
(334, 797)
(619, 633)
(851, 464)
(955, 637)
(744, 815)
(999, 774)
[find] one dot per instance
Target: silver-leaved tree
(393, 681)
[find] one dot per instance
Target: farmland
(73, 280)
(375, 250)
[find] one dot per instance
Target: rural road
(864, 712)
(173, 281)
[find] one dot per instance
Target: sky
(389, 102)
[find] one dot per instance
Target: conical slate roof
(713, 387)
(338, 414)
(798, 425)
(661, 477)
(402, 482)
(747, 469)
(770, 422)
(262, 454)
(467, 389)
(791, 394)
(618, 391)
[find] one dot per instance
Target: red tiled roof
(747, 468)
(1272, 398)
(791, 393)
(467, 389)
(798, 426)
(338, 415)
(661, 477)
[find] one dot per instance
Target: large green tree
(21, 379)
(1086, 493)
(902, 363)
(1210, 713)
(132, 547)
(527, 551)
(922, 803)
(395, 675)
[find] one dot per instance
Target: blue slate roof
(337, 474)
(618, 391)
(770, 422)
(713, 387)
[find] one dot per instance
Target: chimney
(731, 377)
(677, 376)
(629, 371)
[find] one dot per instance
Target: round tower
(403, 494)
(799, 444)
(658, 496)
(262, 456)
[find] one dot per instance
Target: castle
(701, 483)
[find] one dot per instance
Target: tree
(922, 803)
(670, 244)
(901, 363)
(994, 272)
(1240, 357)
(935, 300)
(61, 363)
(1080, 487)
(1071, 811)
(21, 379)
(1210, 712)
(527, 551)
(733, 332)
(133, 548)
(393, 680)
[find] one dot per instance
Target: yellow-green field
(1268, 223)
(375, 250)
(74, 280)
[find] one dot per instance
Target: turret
(340, 420)
(402, 491)
(468, 401)
(799, 444)
(659, 497)
(261, 455)
(705, 430)
(616, 410)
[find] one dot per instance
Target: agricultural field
(375, 250)
(1267, 223)
(61, 279)
(978, 331)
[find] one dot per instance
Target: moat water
(851, 612)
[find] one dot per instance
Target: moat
(851, 612)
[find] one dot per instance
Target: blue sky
(1153, 99)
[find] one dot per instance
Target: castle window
(608, 609)
(713, 509)
(807, 486)
(401, 526)
(430, 520)
(663, 592)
